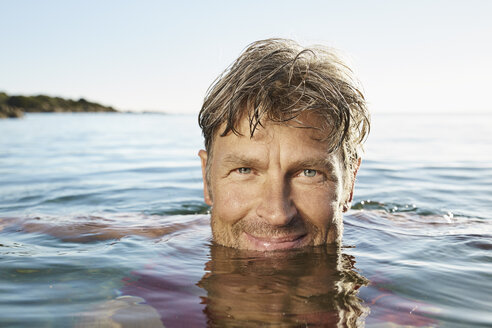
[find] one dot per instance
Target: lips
(274, 243)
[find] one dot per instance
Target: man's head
(283, 128)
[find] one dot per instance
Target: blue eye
(310, 173)
(244, 170)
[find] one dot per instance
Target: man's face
(279, 189)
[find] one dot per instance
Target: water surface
(113, 229)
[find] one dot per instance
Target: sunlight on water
(102, 222)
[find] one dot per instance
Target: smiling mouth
(275, 243)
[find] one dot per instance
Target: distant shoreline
(15, 106)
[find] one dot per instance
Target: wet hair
(277, 80)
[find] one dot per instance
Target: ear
(206, 195)
(346, 206)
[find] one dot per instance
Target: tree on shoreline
(16, 106)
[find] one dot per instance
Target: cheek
(232, 203)
(318, 205)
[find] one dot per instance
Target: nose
(276, 206)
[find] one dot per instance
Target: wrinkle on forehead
(311, 120)
(306, 126)
(306, 123)
(310, 150)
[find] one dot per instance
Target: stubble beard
(231, 235)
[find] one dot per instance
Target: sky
(411, 56)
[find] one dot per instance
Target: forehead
(307, 126)
(291, 145)
(303, 134)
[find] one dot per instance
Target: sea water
(103, 224)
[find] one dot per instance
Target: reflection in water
(314, 286)
(311, 287)
(181, 280)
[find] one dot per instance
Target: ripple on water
(420, 257)
(409, 260)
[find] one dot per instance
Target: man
(283, 129)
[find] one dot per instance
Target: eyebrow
(236, 159)
(316, 162)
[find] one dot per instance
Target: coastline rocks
(10, 112)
